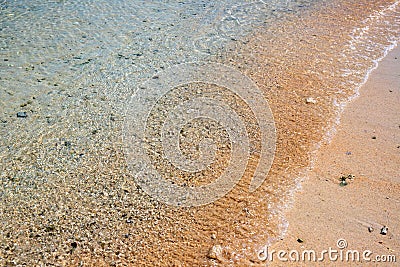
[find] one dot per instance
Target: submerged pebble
(343, 179)
(215, 252)
(22, 114)
(384, 230)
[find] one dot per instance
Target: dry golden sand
(323, 211)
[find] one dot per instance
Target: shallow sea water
(67, 194)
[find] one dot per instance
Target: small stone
(50, 228)
(74, 244)
(67, 143)
(343, 183)
(374, 137)
(22, 114)
(25, 104)
(300, 240)
(215, 252)
(213, 236)
(370, 229)
(311, 100)
(384, 230)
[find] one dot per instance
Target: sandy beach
(366, 145)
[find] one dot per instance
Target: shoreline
(69, 197)
(323, 212)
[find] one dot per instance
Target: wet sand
(366, 145)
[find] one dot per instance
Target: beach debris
(22, 114)
(343, 179)
(50, 228)
(215, 252)
(300, 240)
(370, 229)
(384, 230)
(310, 100)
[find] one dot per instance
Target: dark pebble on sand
(384, 230)
(300, 240)
(74, 244)
(374, 137)
(21, 114)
